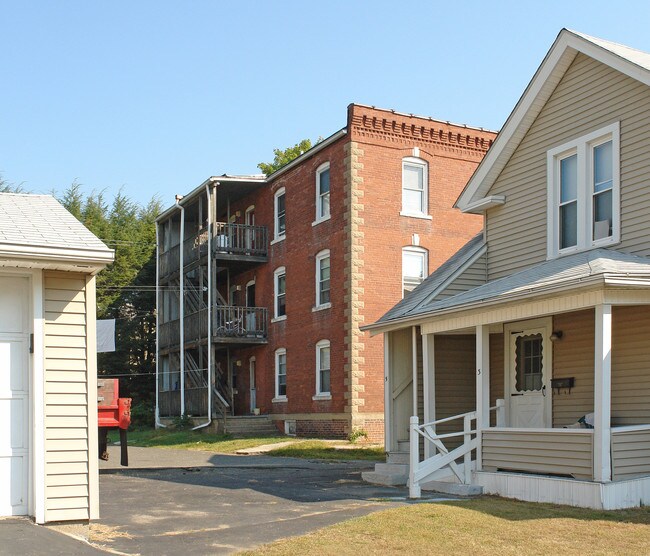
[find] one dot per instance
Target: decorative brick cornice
(391, 126)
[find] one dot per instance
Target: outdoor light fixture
(556, 335)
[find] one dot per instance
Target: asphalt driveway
(171, 502)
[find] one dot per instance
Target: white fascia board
(481, 205)
(89, 257)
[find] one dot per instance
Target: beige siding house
(535, 366)
(48, 368)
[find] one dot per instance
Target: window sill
(574, 250)
(319, 220)
(278, 240)
(321, 307)
(416, 215)
(279, 319)
(321, 397)
(280, 399)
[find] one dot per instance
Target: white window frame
(583, 147)
(325, 254)
(280, 271)
(280, 397)
(320, 394)
(419, 162)
(320, 215)
(277, 236)
(424, 254)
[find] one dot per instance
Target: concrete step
(251, 425)
(403, 446)
(388, 474)
(455, 489)
(399, 457)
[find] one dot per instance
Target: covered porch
(498, 405)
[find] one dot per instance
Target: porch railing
(420, 470)
(239, 322)
(240, 239)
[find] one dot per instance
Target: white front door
(14, 395)
(529, 373)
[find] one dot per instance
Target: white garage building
(48, 361)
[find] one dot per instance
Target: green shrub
(357, 434)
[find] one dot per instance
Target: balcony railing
(195, 247)
(241, 239)
(239, 322)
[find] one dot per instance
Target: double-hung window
(280, 374)
(414, 268)
(583, 193)
(323, 279)
(280, 218)
(323, 369)
(322, 192)
(280, 286)
(414, 187)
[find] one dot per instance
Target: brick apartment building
(265, 281)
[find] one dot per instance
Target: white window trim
(276, 274)
(324, 254)
(419, 251)
(278, 398)
(320, 395)
(276, 235)
(319, 218)
(583, 147)
(414, 161)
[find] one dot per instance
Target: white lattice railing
(420, 470)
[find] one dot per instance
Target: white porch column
(429, 386)
(415, 369)
(388, 408)
(482, 385)
(603, 394)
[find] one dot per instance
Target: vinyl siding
(67, 484)
(589, 96)
(552, 452)
(630, 454)
(573, 356)
(455, 360)
(473, 276)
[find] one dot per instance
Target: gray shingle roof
(40, 221)
(550, 274)
(415, 300)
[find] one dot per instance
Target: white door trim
(545, 324)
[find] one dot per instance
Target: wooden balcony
(240, 242)
(230, 325)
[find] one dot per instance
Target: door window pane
(529, 363)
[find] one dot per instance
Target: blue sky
(155, 96)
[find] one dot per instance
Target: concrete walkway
(19, 536)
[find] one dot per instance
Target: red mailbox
(112, 412)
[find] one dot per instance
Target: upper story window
(279, 301)
(322, 192)
(414, 187)
(414, 268)
(279, 210)
(281, 374)
(583, 193)
(323, 278)
(323, 368)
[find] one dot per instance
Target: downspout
(181, 309)
(206, 424)
(157, 419)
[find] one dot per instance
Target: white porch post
(429, 387)
(603, 394)
(388, 408)
(482, 385)
(415, 369)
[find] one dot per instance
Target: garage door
(14, 395)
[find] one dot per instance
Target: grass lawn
(226, 444)
(486, 525)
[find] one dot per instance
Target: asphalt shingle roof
(411, 303)
(41, 221)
